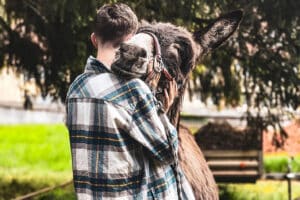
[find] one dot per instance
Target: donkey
(180, 50)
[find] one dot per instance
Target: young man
(113, 25)
(119, 144)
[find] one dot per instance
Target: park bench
(229, 166)
(235, 166)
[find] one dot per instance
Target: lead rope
(176, 171)
(175, 166)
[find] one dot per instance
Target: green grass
(37, 156)
(33, 157)
(262, 190)
(265, 190)
(38, 147)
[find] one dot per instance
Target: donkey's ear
(218, 31)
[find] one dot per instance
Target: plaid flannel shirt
(118, 141)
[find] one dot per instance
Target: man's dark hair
(115, 21)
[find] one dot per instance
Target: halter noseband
(160, 68)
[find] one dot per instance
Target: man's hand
(170, 94)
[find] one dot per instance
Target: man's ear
(94, 40)
(218, 31)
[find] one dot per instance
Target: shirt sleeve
(152, 129)
(170, 130)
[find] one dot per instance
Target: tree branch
(202, 21)
(35, 10)
(5, 26)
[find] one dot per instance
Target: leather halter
(160, 68)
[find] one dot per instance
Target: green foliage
(279, 163)
(259, 65)
(63, 27)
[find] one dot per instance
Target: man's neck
(106, 54)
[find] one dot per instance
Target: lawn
(33, 157)
(261, 190)
(37, 156)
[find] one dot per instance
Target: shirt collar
(94, 65)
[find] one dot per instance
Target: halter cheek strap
(158, 63)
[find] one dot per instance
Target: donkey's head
(181, 49)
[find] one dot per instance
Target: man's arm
(148, 128)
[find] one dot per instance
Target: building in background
(16, 86)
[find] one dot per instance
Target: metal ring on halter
(157, 64)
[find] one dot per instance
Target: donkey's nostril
(143, 53)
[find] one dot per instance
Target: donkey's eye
(174, 51)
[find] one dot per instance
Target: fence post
(289, 177)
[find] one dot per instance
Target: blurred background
(242, 100)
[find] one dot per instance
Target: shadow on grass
(16, 188)
(65, 193)
(224, 194)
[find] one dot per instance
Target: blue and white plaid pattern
(118, 141)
